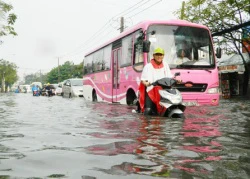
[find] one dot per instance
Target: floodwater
(56, 137)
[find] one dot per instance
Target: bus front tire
(94, 97)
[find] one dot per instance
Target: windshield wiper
(179, 66)
(184, 66)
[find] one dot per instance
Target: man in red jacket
(153, 71)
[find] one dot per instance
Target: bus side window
(93, 67)
(127, 51)
(102, 65)
(107, 57)
(89, 68)
(138, 57)
(138, 53)
(99, 66)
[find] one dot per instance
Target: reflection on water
(72, 138)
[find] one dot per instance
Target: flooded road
(56, 137)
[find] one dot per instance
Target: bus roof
(145, 24)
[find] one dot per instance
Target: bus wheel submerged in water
(131, 97)
(94, 96)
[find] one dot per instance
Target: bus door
(116, 54)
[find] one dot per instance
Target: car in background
(72, 87)
(25, 89)
(54, 86)
(59, 89)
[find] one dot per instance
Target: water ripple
(43, 137)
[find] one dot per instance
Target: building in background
(231, 73)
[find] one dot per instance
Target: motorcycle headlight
(176, 99)
(213, 91)
(164, 94)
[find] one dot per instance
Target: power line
(110, 23)
(131, 8)
(145, 9)
(89, 43)
(102, 29)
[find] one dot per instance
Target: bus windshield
(185, 47)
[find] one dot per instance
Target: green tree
(8, 74)
(67, 70)
(36, 77)
(7, 19)
(219, 15)
(78, 71)
(52, 76)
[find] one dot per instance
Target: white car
(72, 88)
(25, 88)
(59, 89)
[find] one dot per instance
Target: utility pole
(58, 71)
(182, 10)
(122, 25)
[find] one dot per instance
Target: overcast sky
(67, 29)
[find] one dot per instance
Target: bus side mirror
(146, 46)
(218, 52)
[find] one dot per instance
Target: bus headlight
(213, 90)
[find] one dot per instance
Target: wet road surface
(56, 137)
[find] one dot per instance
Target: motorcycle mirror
(146, 46)
(218, 52)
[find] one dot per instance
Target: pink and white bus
(112, 71)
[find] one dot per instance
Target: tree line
(8, 74)
(57, 74)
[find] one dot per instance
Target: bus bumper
(200, 99)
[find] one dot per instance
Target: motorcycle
(167, 98)
(49, 92)
(36, 93)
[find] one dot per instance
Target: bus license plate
(190, 103)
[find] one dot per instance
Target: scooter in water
(36, 93)
(167, 98)
(49, 92)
